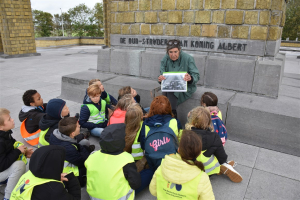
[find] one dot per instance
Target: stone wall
(290, 43)
(67, 41)
(236, 19)
(16, 27)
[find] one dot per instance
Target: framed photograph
(174, 82)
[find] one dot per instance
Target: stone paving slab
(268, 186)
(290, 91)
(291, 82)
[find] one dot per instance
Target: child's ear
(1, 128)
(32, 104)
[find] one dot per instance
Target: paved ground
(267, 174)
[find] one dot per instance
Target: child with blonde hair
(181, 175)
(213, 153)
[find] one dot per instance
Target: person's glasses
(173, 42)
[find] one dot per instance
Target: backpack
(219, 128)
(160, 141)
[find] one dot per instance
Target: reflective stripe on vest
(69, 167)
(137, 151)
(172, 125)
(96, 116)
(30, 138)
(26, 184)
(42, 140)
(211, 165)
(168, 190)
(112, 184)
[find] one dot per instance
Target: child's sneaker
(232, 163)
(230, 172)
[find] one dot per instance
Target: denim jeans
(146, 177)
(96, 132)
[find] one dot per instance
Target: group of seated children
(138, 149)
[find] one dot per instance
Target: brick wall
(238, 19)
(16, 27)
(67, 41)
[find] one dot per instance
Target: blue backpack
(219, 128)
(160, 141)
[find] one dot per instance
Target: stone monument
(235, 44)
(16, 29)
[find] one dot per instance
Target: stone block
(264, 17)
(234, 17)
(228, 4)
(251, 17)
(267, 78)
(151, 17)
(170, 29)
(175, 17)
(157, 29)
(265, 122)
(245, 4)
(168, 5)
(119, 17)
(188, 17)
(140, 17)
(163, 17)
(125, 62)
(234, 74)
(114, 6)
(277, 4)
(113, 18)
(276, 162)
(272, 47)
(196, 30)
(263, 4)
(259, 33)
(135, 29)
(203, 17)
(212, 4)
(73, 86)
(133, 5)
(209, 30)
(125, 29)
(223, 99)
(218, 16)
(150, 67)
(123, 6)
(116, 28)
(156, 4)
(241, 32)
(274, 33)
(128, 17)
(145, 29)
(224, 31)
(103, 61)
(183, 5)
(196, 4)
(144, 5)
(145, 88)
(182, 30)
(276, 18)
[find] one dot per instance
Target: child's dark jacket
(33, 116)
(8, 155)
(212, 143)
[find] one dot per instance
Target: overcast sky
(52, 6)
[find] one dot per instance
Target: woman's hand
(187, 77)
(161, 78)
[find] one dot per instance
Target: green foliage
(292, 24)
(43, 23)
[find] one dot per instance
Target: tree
(42, 23)
(81, 16)
(292, 25)
(98, 13)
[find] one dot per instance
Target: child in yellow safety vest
(213, 153)
(181, 175)
(13, 154)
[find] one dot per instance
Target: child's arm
(132, 176)
(205, 188)
(84, 117)
(6, 160)
(76, 156)
(152, 186)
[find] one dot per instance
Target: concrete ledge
(5, 56)
(103, 60)
(264, 122)
(150, 63)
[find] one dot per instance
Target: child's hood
(119, 113)
(25, 109)
(47, 122)
(177, 171)
(151, 121)
(63, 137)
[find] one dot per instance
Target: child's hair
(67, 125)
(124, 102)
(160, 106)
(200, 118)
(28, 97)
(190, 148)
(133, 120)
(93, 81)
(123, 91)
(93, 90)
(3, 111)
(209, 98)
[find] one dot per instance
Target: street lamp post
(62, 19)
